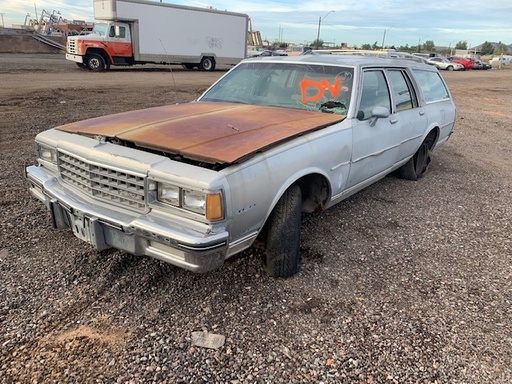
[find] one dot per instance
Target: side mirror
(378, 113)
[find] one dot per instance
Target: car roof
(346, 60)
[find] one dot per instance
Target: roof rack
(384, 53)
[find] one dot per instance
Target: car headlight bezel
(207, 204)
(46, 153)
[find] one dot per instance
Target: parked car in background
(268, 52)
(444, 63)
(501, 60)
(467, 63)
(479, 64)
(196, 183)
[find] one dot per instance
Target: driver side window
(375, 93)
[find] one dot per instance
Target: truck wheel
(96, 62)
(207, 64)
(282, 257)
(417, 165)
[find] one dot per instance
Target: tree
(501, 49)
(428, 46)
(366, 47)
(486, 48)
(317, 43)
(375, 46)
(404, 48)
(461, 45)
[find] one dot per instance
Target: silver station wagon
(194, 184)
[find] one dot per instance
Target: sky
(355, 22)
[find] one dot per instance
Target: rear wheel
(282, 257)
(417, 165)
(449, 68)
(207, 64)
(96, 62)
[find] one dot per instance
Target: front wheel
(282, 257)
(417, 165)
(449, 68)
(96, 62)
(207, 64)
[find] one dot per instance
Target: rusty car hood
(211, 132)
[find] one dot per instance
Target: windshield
(100, 29)
(323, 88)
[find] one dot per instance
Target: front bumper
(181, 242)
(75, 58)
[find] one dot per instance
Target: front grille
(104, 183)
(72, 46)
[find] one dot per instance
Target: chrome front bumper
(184, 243)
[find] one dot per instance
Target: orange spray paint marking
(321, 87)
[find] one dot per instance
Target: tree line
(428, 46)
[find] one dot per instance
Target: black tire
(207, 64)
(189, 66)
(417, 165)
(96, 62)
(282, 257)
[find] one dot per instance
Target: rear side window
(432, 85)
(403, 92)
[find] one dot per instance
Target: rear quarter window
(432, 86)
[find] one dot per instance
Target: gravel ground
(405, 282)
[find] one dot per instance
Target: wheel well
(315, 192)
(99, 52)
(432, 137)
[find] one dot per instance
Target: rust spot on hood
(206, 131)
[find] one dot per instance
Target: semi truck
(130, 32)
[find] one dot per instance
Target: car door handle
(393, 121)
(422, 112)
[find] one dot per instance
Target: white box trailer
(130, 32)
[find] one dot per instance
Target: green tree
(404, 48)
(375, 46)
(501, 49)
(428, 46)
(317, 44)
(462, 44)
(366, 47)
(486, 48)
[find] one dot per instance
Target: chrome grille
(106, 184)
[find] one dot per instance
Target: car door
(412, 118)
(375, 140)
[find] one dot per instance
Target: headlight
(47, 153)
(169, 194)
(194, 201)
(207, 204)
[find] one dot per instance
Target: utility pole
(319, 22)
(384, 36)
